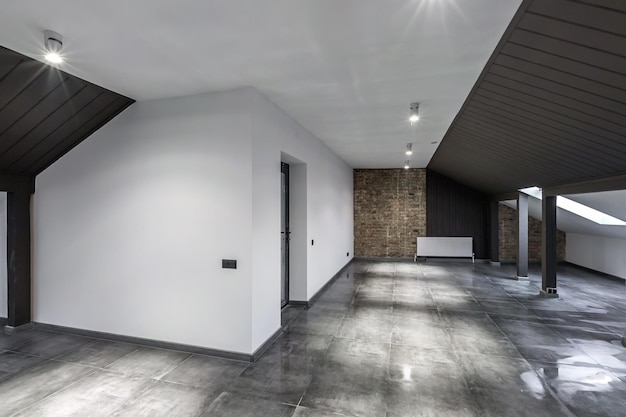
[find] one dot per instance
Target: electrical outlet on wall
(229, 263)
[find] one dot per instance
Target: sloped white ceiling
(347, 70)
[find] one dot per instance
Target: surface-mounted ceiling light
(414, 111)
(409, 149)
(406, 164)
(54, 45)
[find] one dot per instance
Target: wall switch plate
(229, 263)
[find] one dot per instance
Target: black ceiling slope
(550, 106)
(45, 112)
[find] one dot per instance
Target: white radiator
(455, 247)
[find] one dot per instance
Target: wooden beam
(18, 259)
(17, 183)
(596, 185)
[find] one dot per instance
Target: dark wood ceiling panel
(554, 92)
(569, 115)
(618, 5)
(550, 106)
(581, 14)
(51, 128)
(31, 119)
(45, 112)
(582, 35)
(574, 81)
(54, 145)
(535, 138)
(537, 146)
(568, 66)
(569, 50)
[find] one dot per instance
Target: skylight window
(578, 209)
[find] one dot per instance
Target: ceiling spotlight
(409, 149)
(54, 45)
(414, 111)
(406, 164)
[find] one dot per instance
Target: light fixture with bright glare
(414, 113)
(578, 209)
(406, 164)
(53, 57)
(54, 44)
(409, 149)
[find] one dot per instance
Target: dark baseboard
(3, 321)
(16, 329)
(146, 342)
(266, 345)
(602, 274)
(330, 282)
(382, 259)
(297, 303)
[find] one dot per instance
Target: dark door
(284, 234)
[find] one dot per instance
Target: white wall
(131, 226)
(3, 255)
(329, 210)
(599, 253)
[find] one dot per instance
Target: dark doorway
(284, 234)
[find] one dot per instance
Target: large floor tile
(99, 353)
(316, 323)
(149, 362)
(494, 372)
(356, 394)
(586, 391)
(12, 362)
(25, 388)
(97, 395)
(54, 345)
(279, 382)
(206, 372)
(417, 399)
(14, 341)
(232, 405)
(163, 399)
(309, 412)
(500, 403)
(368, 329)
(417, 333)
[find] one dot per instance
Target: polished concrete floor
(387, 339)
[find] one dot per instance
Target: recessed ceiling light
(409, 149)
(407, 164)
(414, 111)
(54, 45)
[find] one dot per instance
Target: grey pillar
(18, 260)
(522, 236)
(548, 256)
(494, 230)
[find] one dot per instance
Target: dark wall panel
(453, 209)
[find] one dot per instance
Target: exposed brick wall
(389, 211)
(507, 218)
